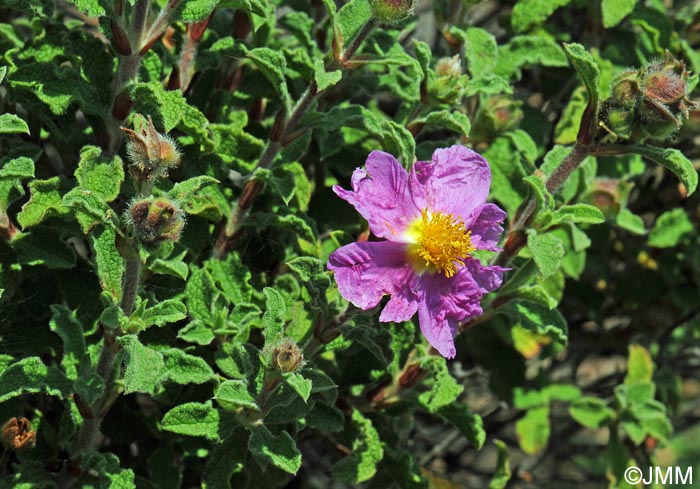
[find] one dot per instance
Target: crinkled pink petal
(485, 226)
(383, 196)
(365, 272)
(444, 303)
(456, 180)
(403, 303)
(487, 277)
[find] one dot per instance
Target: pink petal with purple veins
(456, 180)
(383, 195)
(365, 272)
(485, 226)
(488, 278)
(446, 302)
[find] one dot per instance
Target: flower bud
(496, 115)
(287, 357)
(151, 154)
(17, 434)
(446, 84)
(391, 11)
(156, 219)
(651, 102)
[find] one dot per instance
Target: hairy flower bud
(391, 11)
(651, 102)
(288, 357)
(17, 434)
(151, 154)
(445, 85)
(496, 115)
(156, 219)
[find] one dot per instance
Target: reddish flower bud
(120, 39)
(155, 219)
(391, 11)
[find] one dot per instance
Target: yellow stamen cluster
(441, 242)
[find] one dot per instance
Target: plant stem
(524, 215)
(283, 132)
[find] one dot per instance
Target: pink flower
(431, 219)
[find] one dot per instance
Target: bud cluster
(151, 154)
(155, 219)
(285, 356)
(650, 102)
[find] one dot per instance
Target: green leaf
(167, 107)
(547, 251)
(469, 424)
(108, 261)
(670, 229)
(278, 450)
(90, 386)
(350, 19)
(530, 13)
(480, 51)
(673, 160)
(45, 201)
(537, 318)
(367, 452)
(40, 247)
(98, 174)
(533, 430)
(312, 273)
(10, 123)
(273, 318)
(182, 368)
(165, 312)
(64, 323)
(630, 222)
(194, 419)
(144, 366)
(228, 457)
(444, 389)
(196, 332)
(257, 7)
(92, 8)
(89, 208)
(325, 79)
(272, 64)
(111, 475)
(528, 50)
(194, 10)
(587, 68)
(615, 10)
(503, 473)
(233, 394)
(232, 278)
(183, 191)
(591, 412)
(31, 375)
(301, 385)
(578, 214)
(452, 120)
(640, 367)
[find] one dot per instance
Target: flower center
(440, 242)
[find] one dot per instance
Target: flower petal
(485, 226)
(456, 180)
(365, 272)
(382, 195)
(403, 303)
(488, 278)
(444, 303)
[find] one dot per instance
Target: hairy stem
(283, 132)
(524, 215)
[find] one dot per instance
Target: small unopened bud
(391, 11)
(122, 105)
(515, 242)
(17, 434)
(411, 375)
(607, 194)
(156, 219)
(496, 115)
(284, 355)
(120, 38)
(449, 66)
(151, 154)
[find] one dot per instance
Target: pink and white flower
(432, 220)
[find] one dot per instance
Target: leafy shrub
(169, 316)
